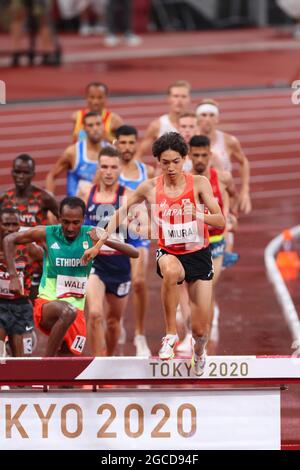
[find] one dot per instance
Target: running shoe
(142, 349)
(230, 259)
(168, 345)
(198, 363)
(185, 346)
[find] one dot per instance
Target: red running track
(266, 123)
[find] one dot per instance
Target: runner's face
(94, 128)
(71, 220)
(188, 127)
(207, 122)
(9, 223)
(22, 174)
(179, 99)
(127, 145)
(109, 170)
(200, 157)
(171, 163)
(96, 99)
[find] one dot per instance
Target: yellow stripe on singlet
(216, 238)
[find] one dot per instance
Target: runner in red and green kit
(59, 308)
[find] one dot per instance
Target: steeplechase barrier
(135, 403)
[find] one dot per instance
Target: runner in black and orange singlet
(16, 318)
(32, 203)
(175, 201)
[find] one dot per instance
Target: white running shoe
(198, 363)
(214, 332)
(185, 346)
(111, 40)
(168, 345)
(85, 29)
(142, 348)
(132, 40)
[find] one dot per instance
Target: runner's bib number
(70, 286)
(181, 233)
(4, 285)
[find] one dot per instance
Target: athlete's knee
(171, 274)
(112, 323)
(96, 317)
(68, 314)
(139, 284)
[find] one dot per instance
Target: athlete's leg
(172, 272)
(16, 344)
(201, 298)
(217, 263)
(57, 316)
(2, 342)
(214, 313)
(95, 309)
(17, 12)
(139, 287)
(116, 308)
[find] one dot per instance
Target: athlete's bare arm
(150, 171)
(215, 161)
(36, 234)
(64, 163)
(142, 193)
(74, 117)
(116, 121)
(35, 252)
(236, 153)
(227, 181)
(150, 135)
(125, 248)
(50, 204)
(215, 218)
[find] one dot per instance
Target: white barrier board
(141, 419)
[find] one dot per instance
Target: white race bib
(181, 233)
(4, 285)
(70, 286)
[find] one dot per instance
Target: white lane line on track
(240, 99)
(237, 105)
(276, 193)
(65, 131)
(122, 103)
(255, 194)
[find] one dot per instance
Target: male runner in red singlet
(96, 97)
(183, 253)
(224, 191)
